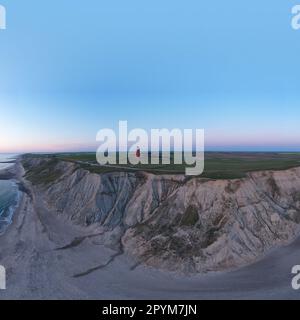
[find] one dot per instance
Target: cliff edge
(170, 222)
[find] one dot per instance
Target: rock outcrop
(170, 222)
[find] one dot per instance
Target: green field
(218, 165)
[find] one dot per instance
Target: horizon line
(205, 151)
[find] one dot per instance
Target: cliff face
(169, 222)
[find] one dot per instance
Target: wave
(7, 209)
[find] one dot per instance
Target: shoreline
(18, 208)
(13, 209)
(13, 174)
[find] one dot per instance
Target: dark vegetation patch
(44, 173)
(210, 236)
(190, 217)
(274, 187)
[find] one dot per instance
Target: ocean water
(5, 158)
(9, 194)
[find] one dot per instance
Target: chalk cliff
(170, 222)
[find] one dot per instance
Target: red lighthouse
(138, 152)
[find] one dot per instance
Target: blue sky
(70, 68)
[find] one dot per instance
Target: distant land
(218, 165)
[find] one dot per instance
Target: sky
(70, 68)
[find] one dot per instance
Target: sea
(9, 194)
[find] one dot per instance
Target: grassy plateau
(218, 165)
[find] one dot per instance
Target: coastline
(17, 209)
(14, 174)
